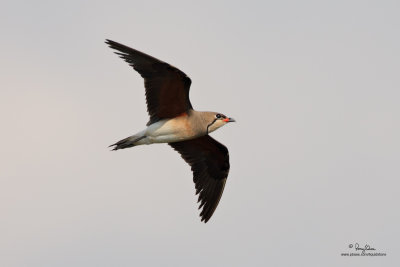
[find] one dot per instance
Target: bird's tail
(128, 142)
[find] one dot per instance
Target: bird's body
(186, 126)
(174, 121)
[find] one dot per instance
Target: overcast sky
(314, 87)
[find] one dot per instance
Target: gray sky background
(314, 86)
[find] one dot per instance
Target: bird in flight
(174, 121)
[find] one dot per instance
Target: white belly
(167, 131)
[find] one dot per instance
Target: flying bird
(174, 121)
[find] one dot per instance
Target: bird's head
(217, 120)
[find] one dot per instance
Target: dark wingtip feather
(109, 42)
(205, 218)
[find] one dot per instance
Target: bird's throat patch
(208, 126)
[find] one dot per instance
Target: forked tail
(128, 142)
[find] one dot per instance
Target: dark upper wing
(209, 160)
(167, 88)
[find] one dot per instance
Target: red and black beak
(229, 120)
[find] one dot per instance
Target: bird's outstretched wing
(209, 161)
(167, 88)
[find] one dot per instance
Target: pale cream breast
(170, 130)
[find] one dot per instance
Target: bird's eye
(218, 116)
